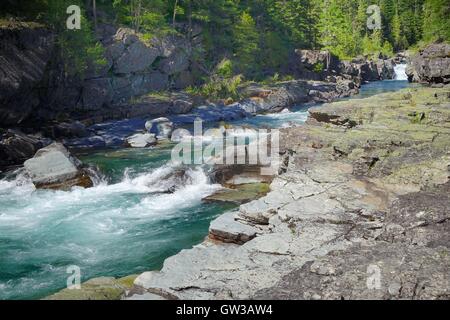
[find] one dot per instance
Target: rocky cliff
(362, 212)
(430, 65)
(36, 87)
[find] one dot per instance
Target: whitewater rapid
(400, 72)
(42, 232)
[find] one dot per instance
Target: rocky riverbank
(367, 188)
(40, 100)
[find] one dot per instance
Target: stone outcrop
(53, 167)
(35, 87)
(24, 57)
(364, 195)
(16, 147)
(275, 98)
(430, 65)
(323, 65)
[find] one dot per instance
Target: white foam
(400, 72)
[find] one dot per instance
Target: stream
(122, 225)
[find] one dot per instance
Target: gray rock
(161, 127)
(97, 93)
(181, 106)
(24, 57)
(430, 65)
(53, 167)
(227, 229)
(16, 147)
(179, 135)
(141, 140)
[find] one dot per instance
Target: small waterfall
(400, 72)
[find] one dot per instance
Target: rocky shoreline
(366, 188)
(367, 182)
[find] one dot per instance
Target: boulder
(74, 129)
(130, 54)
(141, 140)
(227, 229)
(53, 167)
(181, 106)
(179, 135)
(161, 127)
(430, 65)
(16, 147)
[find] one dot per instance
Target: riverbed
(123, 225)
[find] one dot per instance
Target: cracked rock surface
(362, 212)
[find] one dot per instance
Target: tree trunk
(94, 11)
(174, 13)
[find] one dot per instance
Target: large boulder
(136, 56)
(430, 65)
(53, 167)
(141, 140)
(16, 147)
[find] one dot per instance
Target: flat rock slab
(227, 229)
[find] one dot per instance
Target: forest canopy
(259, 34)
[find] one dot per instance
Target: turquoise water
(124, 225)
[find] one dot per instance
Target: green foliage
(79, 49)
(256, 36)
(436, 20)
(246, 43)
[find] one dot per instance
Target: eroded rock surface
(366, 192)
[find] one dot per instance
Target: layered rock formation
(322, 65)
(24, 56)
(430, 65)
(362, 211)
(35, 86)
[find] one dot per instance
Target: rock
(350, 201)
(385, 69)
(136, 56)
(16, 147)
(104, 288)
(181, 106)
(430, 65)
(179, 135)
(74, 129)
(227, 229)
(97, 93)
(53, 167)
(25, 55)
(239, 194)
(177, 62)
(161, 127)
(141, 140)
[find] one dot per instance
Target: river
(121, 226)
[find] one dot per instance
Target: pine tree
(246, 42)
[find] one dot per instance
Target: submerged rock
(141, 140)
(161, 127)
(53, 167)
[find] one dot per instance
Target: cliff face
(430, 65)
(24, 56)
(35, 85)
